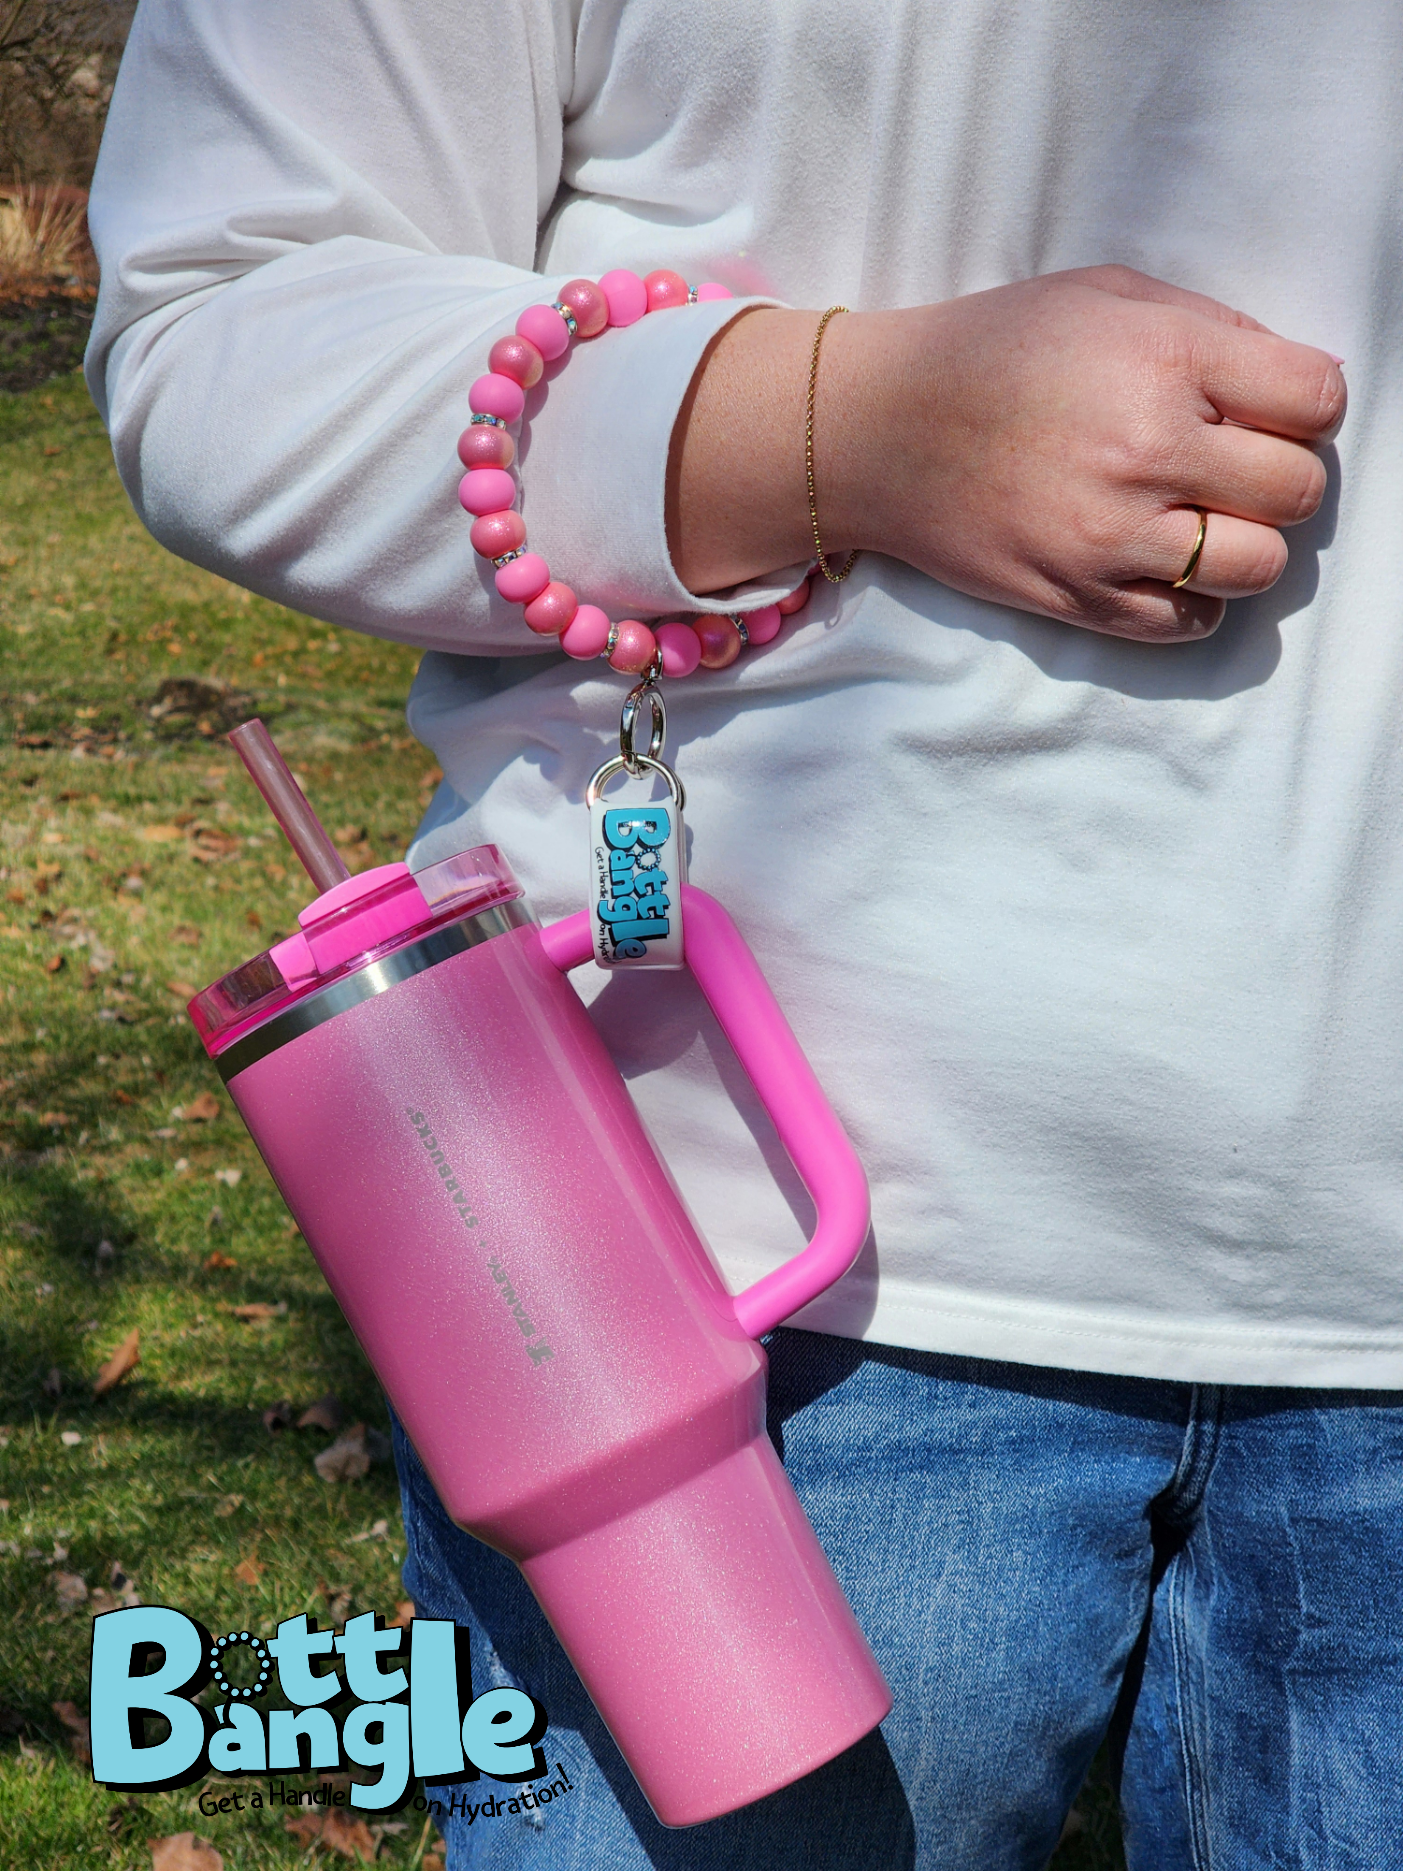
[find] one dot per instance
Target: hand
(1045, 445)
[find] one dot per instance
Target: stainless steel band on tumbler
(369, 981)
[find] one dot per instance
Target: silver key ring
(646, 690)
(645, 764)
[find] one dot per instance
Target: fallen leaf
(431, 1861)
(231, 1178)
(229, 1505)
(55, 963)
(380, 1531)
(334, 1831)
(339, 1599)
(71, 1590)
(182, 991)
(57, 1119)
(203, 1108)
(219, 1263)
(79, 1732)
(325, 1414)
(184, 1851)
(249, 1570)
(404, 1614)
(278, 1416)
(122, 1596)
(350, 1456)
(188, 934)
(125, 1358)
(259, 1312)
(161, 835)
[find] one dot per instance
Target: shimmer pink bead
(486, 490)
(483, 445)
(719, 639)
(552, 610)
(635, 648)
(796, 601)
(664, 289)
(589, 305)
(545, 329)
(496, 533)
(764, 625)
(681, 648)
(496, 395)
(518, 359)
(525, 578)
(586, 633)
(706, 293)
(626, 296)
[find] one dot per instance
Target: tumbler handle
(763, 1041)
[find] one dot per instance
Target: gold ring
(1197, 552)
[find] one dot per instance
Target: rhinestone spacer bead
(571, 324)
(496, 422)
(739, 623)
(507, 558)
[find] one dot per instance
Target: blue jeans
(1210, 1575)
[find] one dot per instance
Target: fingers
(1125, 283)
(1238, 557)
(1252, 476)
(1266, 382)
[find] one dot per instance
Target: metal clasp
(647, 691)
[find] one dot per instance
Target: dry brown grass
(43, 238)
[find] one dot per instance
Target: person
(1078, 882)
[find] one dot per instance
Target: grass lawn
(136, 863)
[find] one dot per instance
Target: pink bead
(706, 293)
(626, 296)
(549, 613)
(518, 359)
(719, 639)
(635, 648)
(525, 578)
(681, 648)
(484, 445)
(665, 289)
(589, 305)
(486, 490)
(764, 625)
(496, 533)
(546, 329)
(795, 601)
(496, 395)
(586, 633)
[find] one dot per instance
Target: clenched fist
(1046, 445)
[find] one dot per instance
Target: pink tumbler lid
(354, 923)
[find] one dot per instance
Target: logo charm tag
(637, 868)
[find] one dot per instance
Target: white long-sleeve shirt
(1096, 946)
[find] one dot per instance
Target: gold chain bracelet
(834, 578)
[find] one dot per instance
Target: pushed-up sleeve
(313, 222)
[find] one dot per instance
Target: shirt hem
(1073, 1339)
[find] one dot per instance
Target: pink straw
(288, 804)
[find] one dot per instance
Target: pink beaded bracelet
(487, 491)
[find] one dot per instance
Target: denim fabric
(1211, 1574)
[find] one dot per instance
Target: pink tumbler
(468, 1167)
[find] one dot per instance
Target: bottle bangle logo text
(152, 1661)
